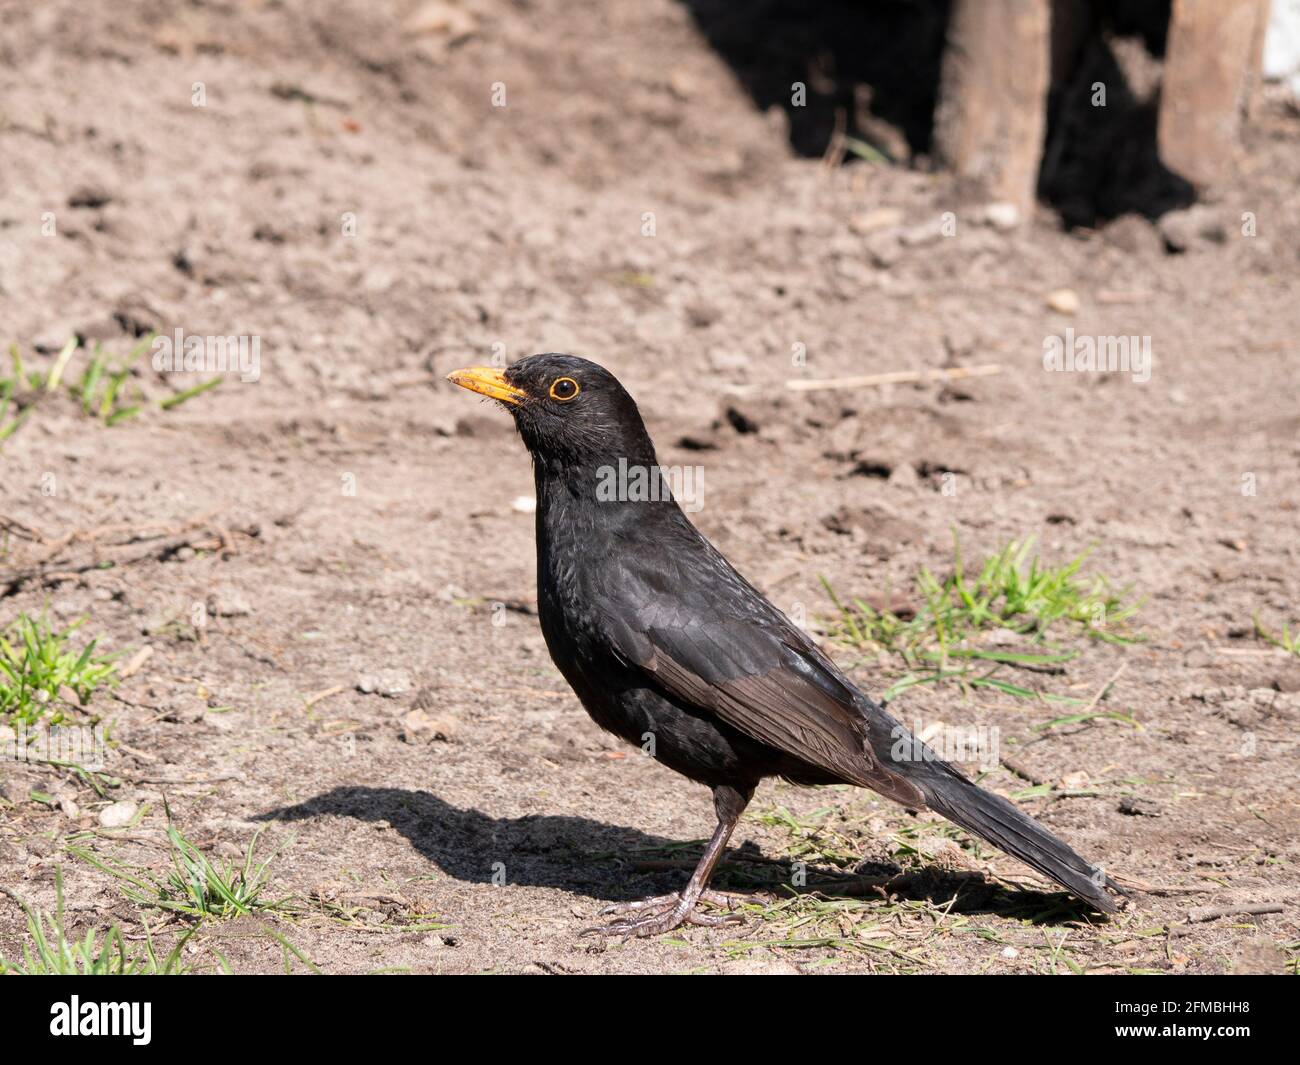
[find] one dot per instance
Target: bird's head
(572, 414)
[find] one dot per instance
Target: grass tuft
(1013, 594)
(104, 390)
(1286, 639)
(196, 887)
(51, 952)
(39, 666)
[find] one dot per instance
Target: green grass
(196, 887)
(51, 952)
(198, 890)
(1288, 641)
(104, 390)
(37, 662)
(1014, 594)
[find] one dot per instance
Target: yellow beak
(487, 382)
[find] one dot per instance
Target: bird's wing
(735, 655)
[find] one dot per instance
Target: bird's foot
(662, 913)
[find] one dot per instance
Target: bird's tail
(994, 819)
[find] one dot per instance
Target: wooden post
(1212, 67)
(992, 110)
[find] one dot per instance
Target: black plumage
(667, 645)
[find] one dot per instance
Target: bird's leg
(663, 913)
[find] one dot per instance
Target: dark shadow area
(872, 71)
(612, 863)
(1101, 159)
(875, 64)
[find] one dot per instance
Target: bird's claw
(713, 898)
(662, 913)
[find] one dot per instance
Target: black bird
(667, 645)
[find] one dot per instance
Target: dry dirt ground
(356, 521)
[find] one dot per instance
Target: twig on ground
(897, 377)
(1249, 909)
(135, 752)
(1021, 771)
(137, 660)
(138, 546)
(312, 700)
(181, 780)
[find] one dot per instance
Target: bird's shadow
(615, 863)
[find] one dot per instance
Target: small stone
(681, 84)
(389, 683)
(1063, 301)
(419, 726)
(228, 602)
(1000, 216)
(1010, 953)
(1136, 807)
(1074, 781)
(118, 814)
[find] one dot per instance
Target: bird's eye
(564, 389)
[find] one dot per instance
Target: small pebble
(389, 683)
(1063, 301)
(118, 814)
(1001, 216)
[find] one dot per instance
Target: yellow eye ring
(564, 389)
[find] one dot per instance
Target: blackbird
(668, 647)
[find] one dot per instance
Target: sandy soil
(474, 819)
